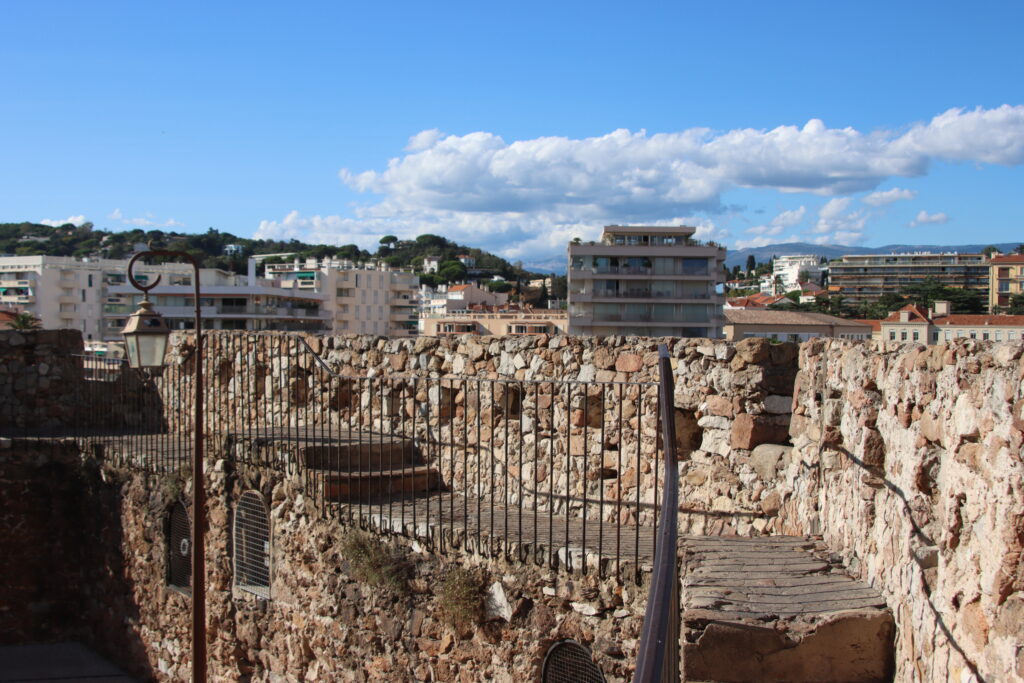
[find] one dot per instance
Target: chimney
(904, 316)
(940, 309)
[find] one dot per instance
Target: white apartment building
(648, 281)
(95, 297)
(69, 293)
(446, 299)
(227, 302)
(788, 269)
(358, 298)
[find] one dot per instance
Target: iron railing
(561, 472)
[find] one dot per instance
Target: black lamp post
(145, 337)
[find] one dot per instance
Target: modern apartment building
(648, 281)
(69, 293)
(787, 270)
(94, 296)
(865, 277)
(537, 321)
(446, 299)
(1006, 279)
(359, 298)
(227, 302)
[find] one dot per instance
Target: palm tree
(24, 321)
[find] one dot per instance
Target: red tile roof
(916, 315)
(457, 288)
(6, 316)
(1009, 258)
(980, 320)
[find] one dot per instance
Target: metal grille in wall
(570, 662)
(252, 545)
(179, 548)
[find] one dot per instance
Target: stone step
(365, 485)
(773, 609)
(355, 455)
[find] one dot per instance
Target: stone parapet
(908, 461)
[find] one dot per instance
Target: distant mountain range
(833, 251)
(830, 251)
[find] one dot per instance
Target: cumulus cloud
(886, 197)
(924, 218)
(147, 221)
(511, 196)
(837, 225)
(74, 220)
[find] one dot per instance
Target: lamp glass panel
(131, 343)
(151, 349)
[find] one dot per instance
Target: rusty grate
(179, 548)
(252, 545)
(570, 662)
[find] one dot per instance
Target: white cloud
(147, 221)
(924, 218)
(525, 196)
(74, 220)
(886, 197)
(836, 225)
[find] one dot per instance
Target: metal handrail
(658, 659)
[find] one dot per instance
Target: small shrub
(461, 594)
(375, 563)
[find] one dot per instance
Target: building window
(90, 280)
(974, 334)
(917, 335)
(892, 335)
(179, 548)
(83, 295)
(252, 545)
(999, 335)
(984, 335)
(903, 335)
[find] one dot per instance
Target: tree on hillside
(451, 271)
(751, 263)
(1020, 249)
(804, 276)
(989, 250)
(25, 321)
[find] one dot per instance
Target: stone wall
(908, 460)
(36, 369)
(453, 393)
(101, 578)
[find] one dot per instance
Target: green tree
(450, 271)
(1020, 249)
(989, 250)
(751, 263)
(25, 321)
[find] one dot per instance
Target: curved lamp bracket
(131, 277)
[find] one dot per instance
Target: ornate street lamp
(145, 337)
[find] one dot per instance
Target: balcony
(67, 283)
(66, 299)
(16, 283)
(17, 299)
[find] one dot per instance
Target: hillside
(28, 239)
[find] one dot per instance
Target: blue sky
(516, 127)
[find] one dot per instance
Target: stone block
(629, 362)
(765, 459)
(749, 431)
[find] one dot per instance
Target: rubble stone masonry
(908, 460)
